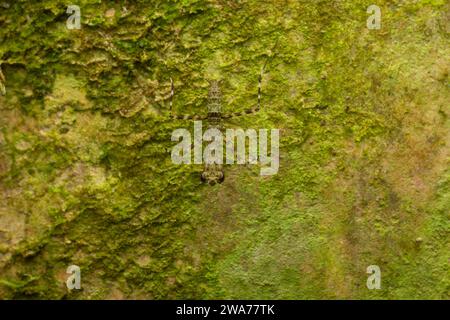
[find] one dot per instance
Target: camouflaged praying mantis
(213, 172)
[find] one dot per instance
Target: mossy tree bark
(86, 179)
